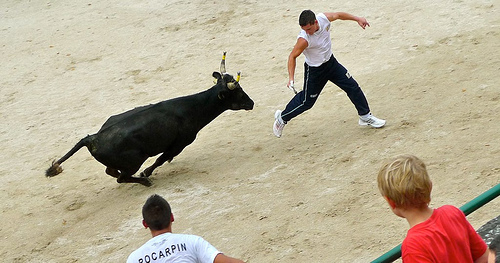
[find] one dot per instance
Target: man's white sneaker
(279, 124)
(370, 120)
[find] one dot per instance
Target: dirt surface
(430, 68)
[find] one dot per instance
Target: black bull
(127, 140)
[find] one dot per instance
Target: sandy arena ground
(431, 68)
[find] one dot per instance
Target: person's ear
(171, 218)
(144, 223)
(391, 203)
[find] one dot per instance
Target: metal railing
(468, 208)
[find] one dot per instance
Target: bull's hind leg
(159, 161)
(126, 177)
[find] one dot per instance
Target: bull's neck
(208, 107)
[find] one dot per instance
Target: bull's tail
(56, 168)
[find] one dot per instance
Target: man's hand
(291, 87)
(362, 22)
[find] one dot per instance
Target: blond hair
(405, 181)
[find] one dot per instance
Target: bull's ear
(216, 75)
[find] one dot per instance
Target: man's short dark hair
(307, 17)
(156, 212)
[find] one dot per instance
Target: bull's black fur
(126, 140)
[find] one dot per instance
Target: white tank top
(319, 49)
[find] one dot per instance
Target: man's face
(311, 28)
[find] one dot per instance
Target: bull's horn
(223, 63)
(231, 85)
(238, 76)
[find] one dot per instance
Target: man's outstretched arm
(346, 16)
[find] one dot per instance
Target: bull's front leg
(159, 161)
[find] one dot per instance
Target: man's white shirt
(171, 247)
(319, 49)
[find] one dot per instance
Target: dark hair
(156, 212)
(495, 246)
(307, 17)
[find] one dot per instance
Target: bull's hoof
(146, 182)
(113, 172)
(138, 180)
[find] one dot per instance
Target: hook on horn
(238, 76)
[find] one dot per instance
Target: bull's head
(231, 91)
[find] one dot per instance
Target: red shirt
(446, 236)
